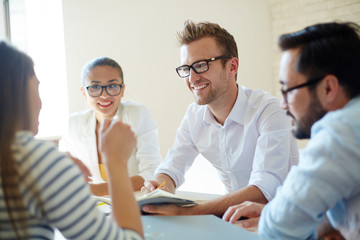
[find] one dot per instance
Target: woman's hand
(85, 171)
(117, 142)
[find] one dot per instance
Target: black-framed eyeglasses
(308, 83)
(198, 66)
(97, 90)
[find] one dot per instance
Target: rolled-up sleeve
(181, 155)
(276, 151)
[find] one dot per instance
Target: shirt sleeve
(323, 177)
(56, 191)
(147, 147)
(181, 155)
(276, 150)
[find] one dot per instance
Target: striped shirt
(55, 195)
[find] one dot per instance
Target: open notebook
(103, 204)
(160, 197)
(157, 197)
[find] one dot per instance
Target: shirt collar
(353, 101)
(119, 110)
(236, 113)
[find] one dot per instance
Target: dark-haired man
(320, 74)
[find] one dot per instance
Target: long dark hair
(16, 68)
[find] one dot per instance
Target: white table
(196, 196)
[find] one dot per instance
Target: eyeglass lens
(309, 82)
(112, 90)
(198, 67)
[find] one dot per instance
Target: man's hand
(246, 209)
(116, 144)
(151, 185)
(85, 171)
(167, 210)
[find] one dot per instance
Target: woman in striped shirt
(35, 194)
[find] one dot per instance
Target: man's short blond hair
(196, 31)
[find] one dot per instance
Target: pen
(162, 184)
(101, 203)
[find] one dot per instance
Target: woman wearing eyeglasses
(103, 87)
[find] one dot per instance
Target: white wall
(2, 22)
(307, 12)
(140, 35)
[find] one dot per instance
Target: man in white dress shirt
(243, 133)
